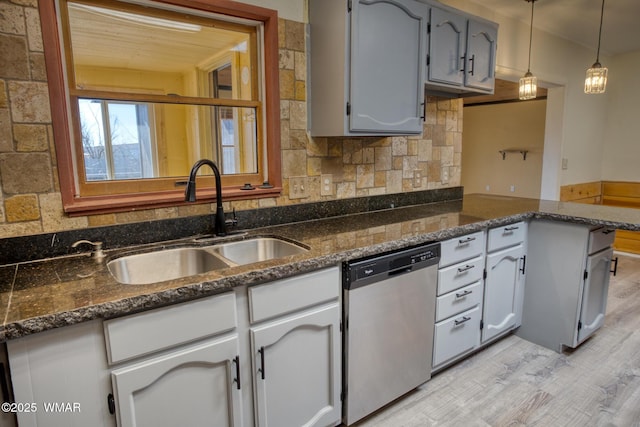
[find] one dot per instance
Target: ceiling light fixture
(596, 81)
(528, 86)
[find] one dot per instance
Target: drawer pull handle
(465, 268)
(465, 241)
(615, 266)
(459, 322)
(509, 229)
(463, 294)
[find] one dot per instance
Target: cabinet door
(385, 96)
(594, 294)
(503, 289)
(481, 55)
(297, 369)
(447, 47)
(195, 386)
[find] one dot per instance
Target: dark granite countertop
(46, 294)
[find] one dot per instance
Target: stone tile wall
(30, 201)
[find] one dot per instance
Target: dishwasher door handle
(400, 271)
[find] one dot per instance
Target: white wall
(621, 150)
(556, 62)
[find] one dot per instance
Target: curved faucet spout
(219, 226)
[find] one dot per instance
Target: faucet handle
(234, 221)
(97, 252)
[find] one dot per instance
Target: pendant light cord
(600, 33)
(531, 34)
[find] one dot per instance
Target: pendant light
(596, 81)
(528, 86)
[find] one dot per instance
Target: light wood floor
(517, 383)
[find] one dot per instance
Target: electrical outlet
(326, 185)
(298, 187)
(417, 178)
(565, 164)
(512, 188)
(487, 188)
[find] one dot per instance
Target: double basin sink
(173, 263)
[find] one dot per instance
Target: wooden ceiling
(505, 91)
(104, 37)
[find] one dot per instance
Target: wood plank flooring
(517, 383)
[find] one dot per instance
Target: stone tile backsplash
(30, 201)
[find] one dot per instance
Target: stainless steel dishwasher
(389, 311)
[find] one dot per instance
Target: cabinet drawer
(600, 239)
(456, 336)
(292, 294)
(507, 235)
(162, 328)
(461, 248)
(459, 275)
(458, 301)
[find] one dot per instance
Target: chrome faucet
(219, 225)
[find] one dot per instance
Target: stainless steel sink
(165, 264)
(173, 263)
(258, 249)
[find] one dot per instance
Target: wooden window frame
(145, 194)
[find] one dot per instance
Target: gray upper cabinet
(481, 55)
(367, 67)
(447, 44)
(462, 52)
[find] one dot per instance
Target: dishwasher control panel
(368, 270)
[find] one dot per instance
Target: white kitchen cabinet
(297, 369)
(566, 294)
(64, 365)
(367, 67)
(296, 353)
(462, 52)
(459, 298)
(502, 291)
(196, 386)
(504, 279)
(163, 379)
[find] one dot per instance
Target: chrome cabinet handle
(463, 294)
(465, 241)
(461, 321)
(465, 268)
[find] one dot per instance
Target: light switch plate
(298, 187)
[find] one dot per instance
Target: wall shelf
(515, 150)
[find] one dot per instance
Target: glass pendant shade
(596, 81)
(528, 87)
